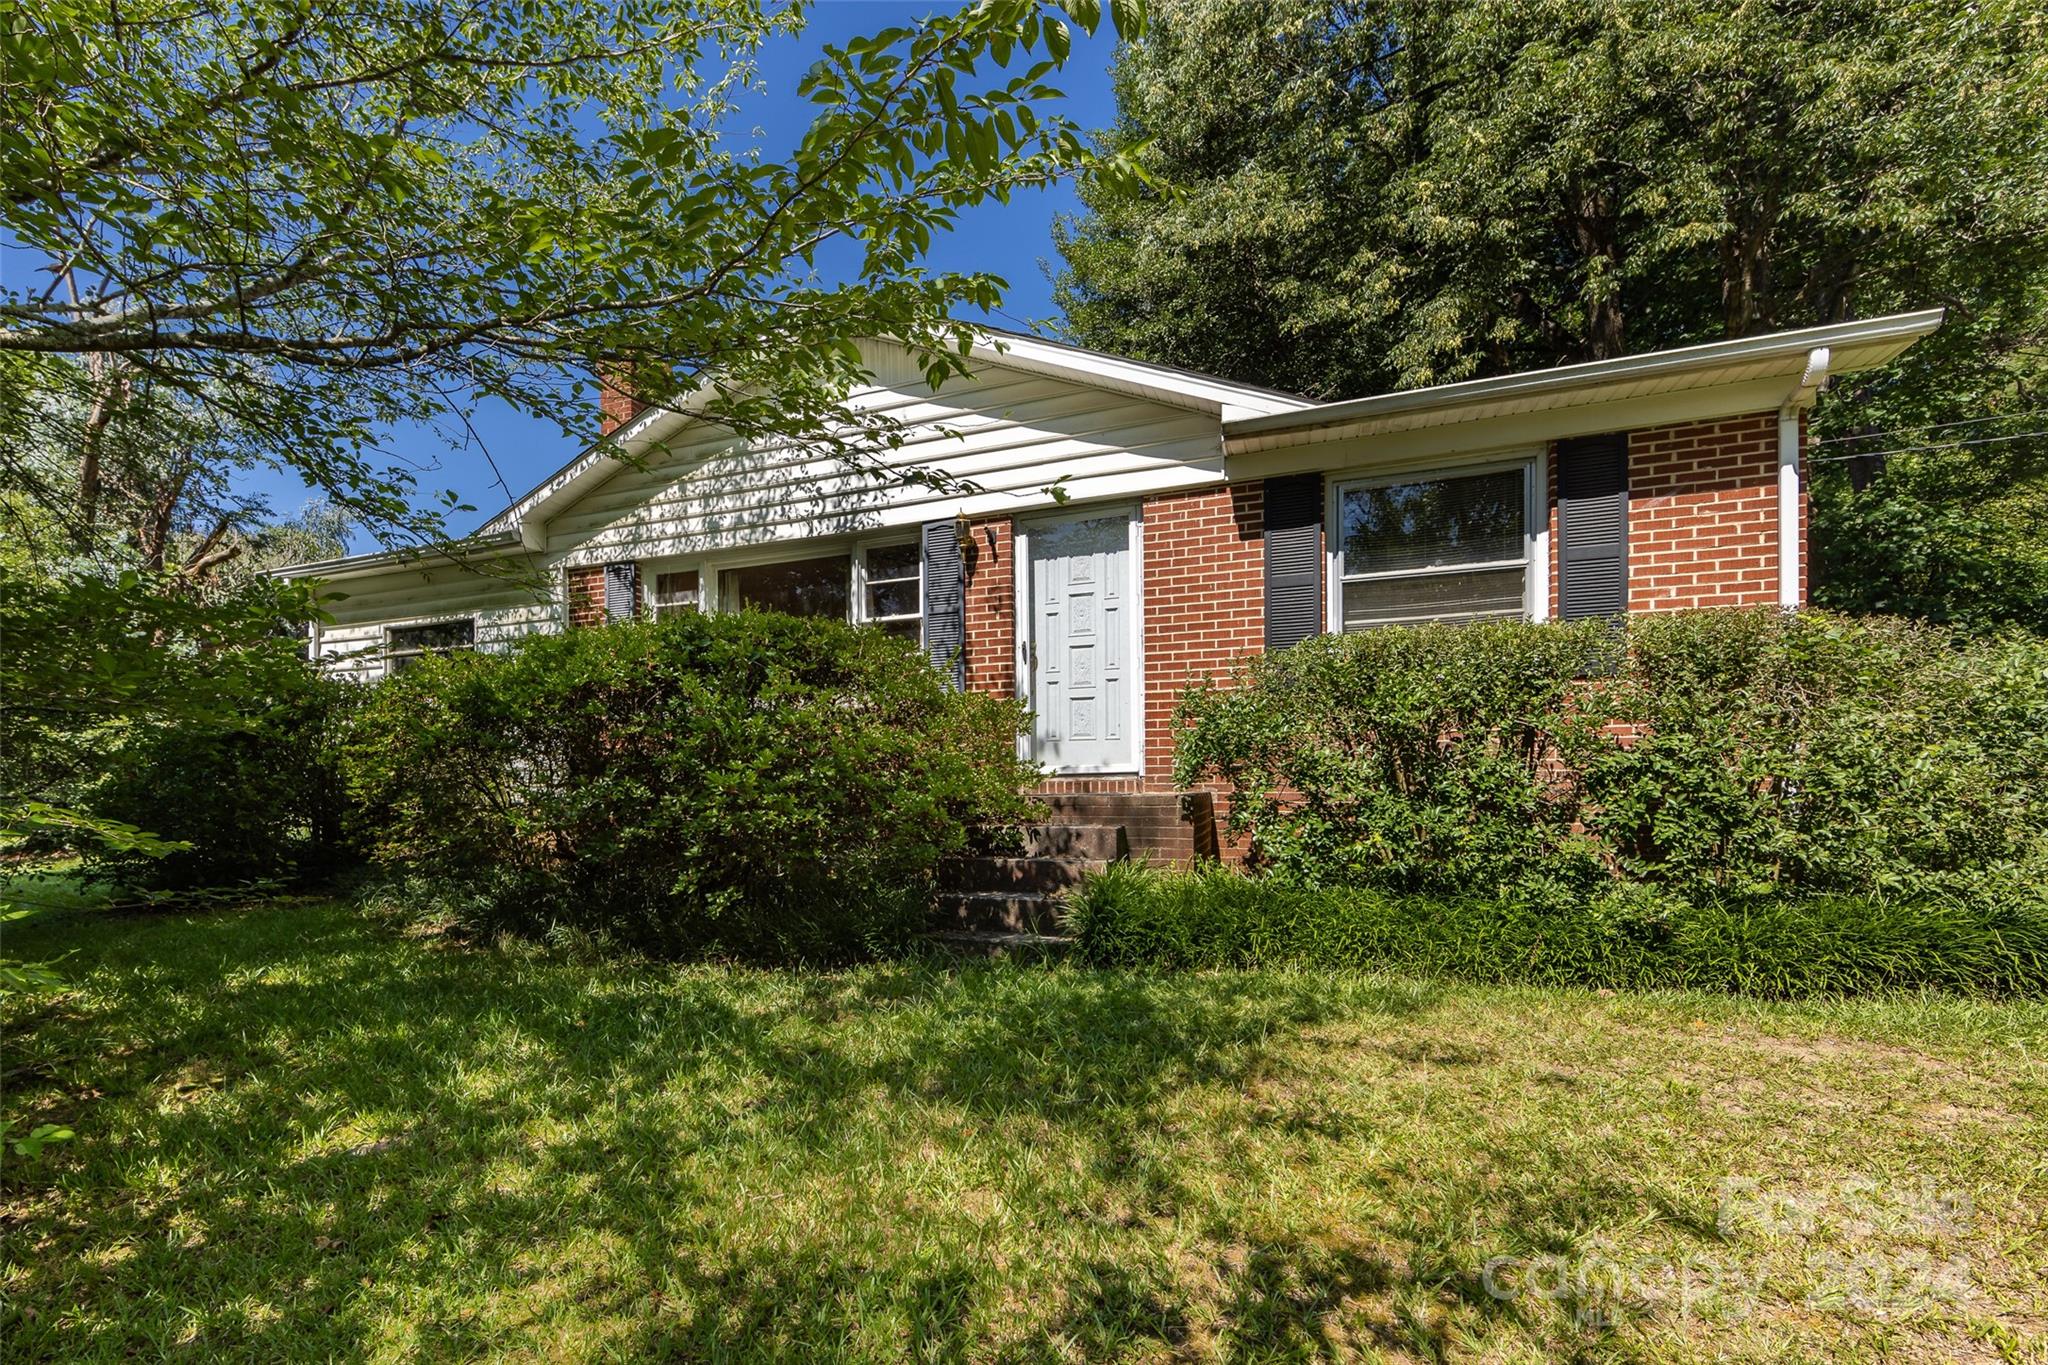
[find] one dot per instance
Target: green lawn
(305, 1133)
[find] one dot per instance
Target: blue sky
(1013, 241)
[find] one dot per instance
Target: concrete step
(1105, 842)
(1016, 874)
(1000, 912)
(1165, 827)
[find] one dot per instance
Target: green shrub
(1414, 759)
(745, 783)
(258, 797)
(1718, 752)
(1622, 937)
(1819, 753)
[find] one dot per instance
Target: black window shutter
(945, 601)
(1294, 559)
(621, 586)
(1592, 526)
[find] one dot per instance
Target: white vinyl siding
(1013, 434)
(709, 503)
(366, 606)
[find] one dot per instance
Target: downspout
(1790, 546)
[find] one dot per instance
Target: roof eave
(1161, 383)
(481, 545)
(1855, 345)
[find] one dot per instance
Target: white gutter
(1883, 337)
(488, 545)
(1791, 545)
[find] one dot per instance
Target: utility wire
(1935, 426)
(1940, 445)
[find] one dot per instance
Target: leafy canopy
(1377, 194)
(316, 221)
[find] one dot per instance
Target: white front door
(1079, 664)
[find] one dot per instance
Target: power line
(1939, 445)
(1933, 426)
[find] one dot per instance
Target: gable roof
(1165, 384)
(1254, 419)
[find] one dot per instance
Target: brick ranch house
(1205, 520)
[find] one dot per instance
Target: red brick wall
(991, 608)
(1205, 601)
(1703, 514)
(585, 595)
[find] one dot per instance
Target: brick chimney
(615, 407)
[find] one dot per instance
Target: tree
(311, 222)
(1388, 193)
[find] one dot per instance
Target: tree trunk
(1746, 302)
(1599, 244)
(110, 394)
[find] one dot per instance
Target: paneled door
(1078, 661)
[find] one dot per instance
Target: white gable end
(1014, 431)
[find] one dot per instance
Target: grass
(305, 1133)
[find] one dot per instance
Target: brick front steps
(1006, 900)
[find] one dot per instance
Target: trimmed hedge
(1623, 938)
(742, 784)
(1710, 754)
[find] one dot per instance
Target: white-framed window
(671, 592)
(405, 646)
(1454, 546)
(891, 594)
(880, 585)
(813, 585)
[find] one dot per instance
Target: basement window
(405, 646)
(1440, 549)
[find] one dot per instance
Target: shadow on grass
(303, 1136)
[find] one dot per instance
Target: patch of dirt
(1826, 1050)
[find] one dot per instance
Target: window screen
(1453, 549)
(802, 587)
(893, 597)
(405, 646)
(675, 592)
